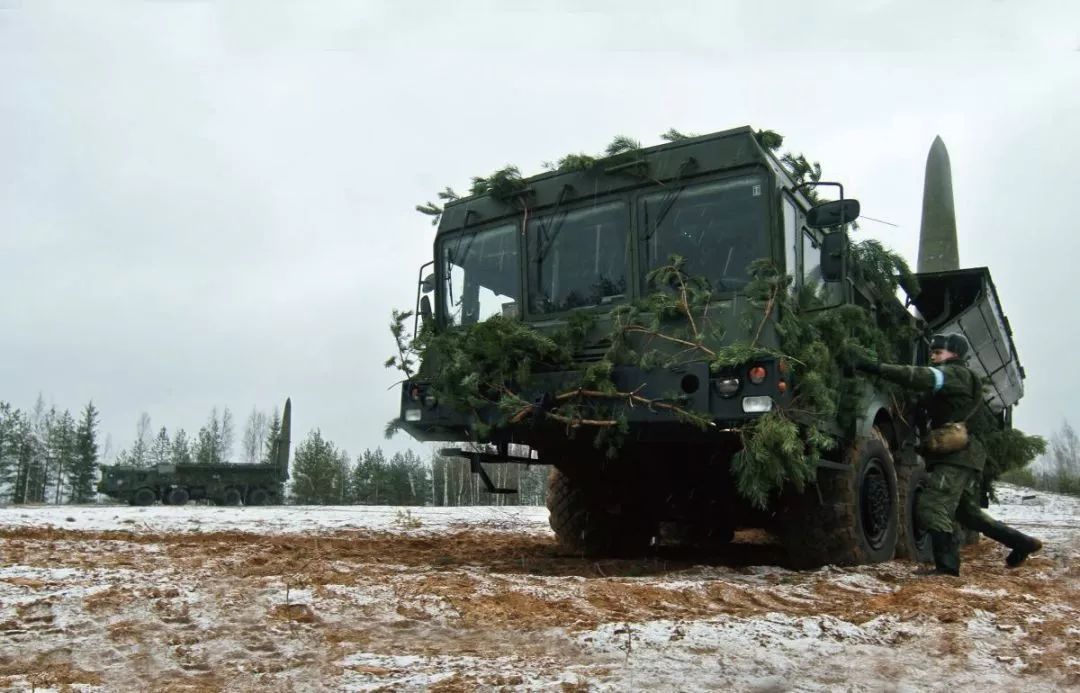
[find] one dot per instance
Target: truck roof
(679, 160)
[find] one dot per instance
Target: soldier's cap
(956, 343)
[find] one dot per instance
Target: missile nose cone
(938, 250)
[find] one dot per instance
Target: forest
(54, 457)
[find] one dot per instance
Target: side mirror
(427, 284)
(425, 310)
(833, 248)
(833, 213)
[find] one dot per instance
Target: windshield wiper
(666, 204)
(669, 198)
(548, 239)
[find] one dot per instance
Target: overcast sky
(211, 204)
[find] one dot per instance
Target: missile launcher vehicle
(222, 484)
(587, 241)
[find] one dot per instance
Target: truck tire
(258, 496)
(144, 496)
(856, 519)
(587, 523)
(911, 543)
(178, 496)
(231, 496)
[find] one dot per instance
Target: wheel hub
(876, 504)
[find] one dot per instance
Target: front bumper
(727, 399)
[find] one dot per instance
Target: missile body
(938, 250)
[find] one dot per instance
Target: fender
(872, 402)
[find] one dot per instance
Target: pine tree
(23, 450)
(272, 432)
(181, 449)
(161, 450)
(369, 478)
(61, 453)
(34, 456)
(214, 439)
(204, 449)
(317, 471)
(139, 454)
(10, 442)
(86, 456)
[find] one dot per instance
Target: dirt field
(207, 599)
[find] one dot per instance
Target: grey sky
(212, 203)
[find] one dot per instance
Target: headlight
(416, 414)
(752, 405)
(727, 387)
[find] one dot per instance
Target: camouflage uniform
(953, 394)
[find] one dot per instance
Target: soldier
(955, 460)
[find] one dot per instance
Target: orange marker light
(782, 386)
(757, 375)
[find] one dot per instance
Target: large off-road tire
(589, 521)
(144, 496)
(258, 496)
(232, 496)
(854, 521)
(912, 543)
(178, 496)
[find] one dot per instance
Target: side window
(480, 271)
(811, 257)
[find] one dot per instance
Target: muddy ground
(488, 601)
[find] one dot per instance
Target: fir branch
(502, 184)
(431, 209)
(577, 162)
(673, 135)
(622, 145)
(659, 335)
(769, 140)
(404, 359)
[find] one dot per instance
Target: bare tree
(140, 449)
(1065, 457)
(227, 435)
(254, 436)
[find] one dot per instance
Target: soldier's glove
(868, 366)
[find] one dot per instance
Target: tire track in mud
(268, 605)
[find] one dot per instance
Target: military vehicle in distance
(222, 484)
(720, 201)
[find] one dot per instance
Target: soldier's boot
(1021, 544)
(946, 555)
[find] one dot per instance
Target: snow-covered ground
(115, 598)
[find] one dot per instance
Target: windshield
(578, 258)
(481, 275)
(719, 228)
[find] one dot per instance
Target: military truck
(583, 241)
(222, 484)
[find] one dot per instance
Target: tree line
(1057, 471)
(48, 456)
(322, 474)
(51, 456)
(213, 444)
